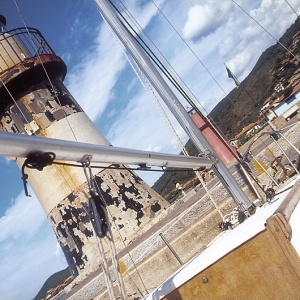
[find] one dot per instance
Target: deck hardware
(171, 249)
(97, 211)
(38, 161)
(204, 279)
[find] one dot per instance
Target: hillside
(242, 106)
(165, 185)
(52, 282)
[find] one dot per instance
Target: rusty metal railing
(19, 44)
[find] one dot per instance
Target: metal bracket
(208, 154)
(86, 159)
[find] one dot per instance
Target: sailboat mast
(170, 99)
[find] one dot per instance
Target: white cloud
(242, 40)
(92, 80)
(205, 19)
(22, 219)
(143, 12)
(27, 250)
(140, 125)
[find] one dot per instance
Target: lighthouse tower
(34, 101)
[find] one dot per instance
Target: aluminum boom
(20, 145)
(170, 99)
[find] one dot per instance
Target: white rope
(107, 275)
(115, 262)
(209, 193)
(169, 124)
(105, 268)
(158, 105)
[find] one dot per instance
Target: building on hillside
(247, 133)
(278, 111)
(285, 108)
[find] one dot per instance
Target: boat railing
(282, 164)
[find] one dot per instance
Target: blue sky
(102, 81)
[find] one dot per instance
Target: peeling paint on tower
(128, 214)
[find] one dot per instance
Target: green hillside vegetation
(53, 281)
(165, 185)
(242, 106)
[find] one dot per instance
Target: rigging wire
(292, 8)
(266, 31)
(53, 89)
(169, 227)
(109, 239)
(213, 125)
(169, 73)
(117, 167)
(173, 77)
(215, 80)
(45, 71)
(16, 104)
(166, 72)
(18, 107)
(149, 90)
(216, 131)
(118, 230)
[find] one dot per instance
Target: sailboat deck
(230, 244)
